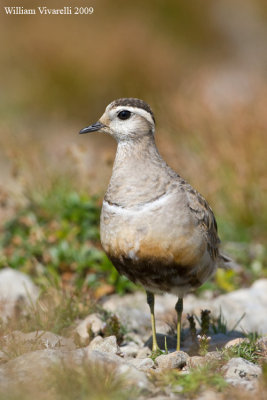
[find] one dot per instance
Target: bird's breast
(159, 230)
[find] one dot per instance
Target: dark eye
(124, 114)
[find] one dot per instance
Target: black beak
(92, 128)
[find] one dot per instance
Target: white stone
(177, 359)
(262, 344)
(92, 323)
(105, 345)
(144, 352)
(130, 349)
(235, 342)
(240, 372)
(122, 367)
(250, 302)
(101, 357)
(16, 289)
(142, 364)
(133, 311)
(29, 366)
(134, 377)
(196, 361)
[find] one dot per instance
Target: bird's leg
(151, 302)
(179, 310)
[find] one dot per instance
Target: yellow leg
(179, 310)
(150, 302)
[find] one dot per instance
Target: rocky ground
(210, 365)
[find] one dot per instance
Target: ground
(69, 322)
(71, 327)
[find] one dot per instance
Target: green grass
(248, 349)
(193, 383)
(56, 235)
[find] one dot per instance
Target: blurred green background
(201, 65)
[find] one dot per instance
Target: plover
(155, 228)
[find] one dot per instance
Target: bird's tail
(226, 262)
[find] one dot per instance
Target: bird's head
(125, 119)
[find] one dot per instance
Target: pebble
(16, 291)
(144, 352)
(177, 359)
(199, 361)
(235, 342)
(97, 356)
(92, 323)
(123, 368)
(130, 350)
(134, 377)
(132, 359)
(262, 344)
(29, 366)
(241, 372)
(105, 345)
(142, 364)
(36, 365)
(196, 361)
(213, 356)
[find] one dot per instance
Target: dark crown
(132, 102)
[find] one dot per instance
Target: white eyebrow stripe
(136, 110)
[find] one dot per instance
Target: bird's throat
(137, 173)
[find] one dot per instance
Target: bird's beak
(93, 128)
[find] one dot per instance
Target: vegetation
(56, 311)
(55, 238)
(193, 383)
(72, 381)
(247, 349)
(197, 69)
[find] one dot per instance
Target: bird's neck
(139, 173)
(131, 153)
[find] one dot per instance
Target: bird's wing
(203, 213)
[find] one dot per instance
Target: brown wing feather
(205, 217)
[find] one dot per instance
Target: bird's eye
(124, 114)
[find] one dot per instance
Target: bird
(156, 229)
